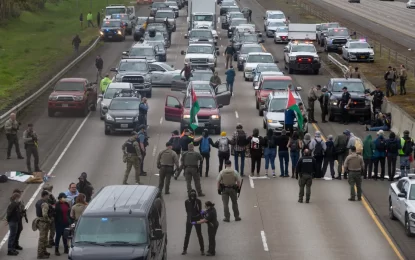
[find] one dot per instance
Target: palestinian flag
(194, 109)
(292, 105)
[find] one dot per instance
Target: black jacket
(185, 141)
(13, 212)
(99, 63)
(59, 216)
(282, 142)
(86, 188)
(193, 209)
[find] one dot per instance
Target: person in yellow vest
(407, 145)
(104, 83)
(89, 19)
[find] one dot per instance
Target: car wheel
(261, 112)
(407, 226)
(150, 94)
(245, 78)
(102, 117)
(257, 105)
(51, 113)
(331, 116)
(107, 131)
(85, 111)
(290, 71)
(391, 214)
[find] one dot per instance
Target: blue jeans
(229, 84)
(13, 226)
(270, 154)
(377, 128)
(295, 156)
(236, 155)
(284, 159)
(405, 165)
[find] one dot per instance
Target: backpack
(359, 145)
(305, 146)
(271, 142)
(176, 144)
(381, 145)
(204, 145)
(393, 146)
(241, 138)
(318, 148)
(294, 145)
(255, 143)
(407, 147)
(329, 148)
(223, 145)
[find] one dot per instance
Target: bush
(12, 8)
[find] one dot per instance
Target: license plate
(124, 125)
(351, 111)
(362, 57)
(109, 36)
(64, 105)
(201, 124)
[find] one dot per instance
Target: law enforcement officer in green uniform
(52, 201)
(43, 214)
(132, 156)
(229, 182)
(306, 168)
(354, 166)
(190, 162)
(165, 162)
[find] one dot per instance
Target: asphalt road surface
(273, 226)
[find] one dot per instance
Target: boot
(184, 252)
(43, 257)
(300, 200)
(57, 252)
(66, 250)
(18, 247)
(12, 252)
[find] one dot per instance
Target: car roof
(204, 95)
(201, 44)
(284, 94)
(119, 85)
(72, 80)
(271, 73)
(260, 53)
(140, 45)
(165, 11)
(347, 80)
(200, 82)
(200, 29)
(122, 199)
(338, 28)
(144, 60)
(126, 98)
(251, 45)
(275, 12)
(275, 77)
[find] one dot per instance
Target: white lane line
(264, 240)
(154, 150)
(251, 182)
(161, 121)
(29, 203)
(236, 114)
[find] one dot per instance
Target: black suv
(112, 30)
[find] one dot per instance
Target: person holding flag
(293, 111)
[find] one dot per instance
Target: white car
(410, 4)
(108, 95)
(402, 203)
(281, 35)
(272, 28)
(273, 16)
(253, 59)
(358, 50)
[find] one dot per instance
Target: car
(109, 94)
(228, 7)
(160, 48)
(281, 35)
(272, 27)
(180, 83)
(121, 222)
(200, 87)
(164, 28)
(121, 115)
(112, 29)
(155, 6)
(229, 16)
(402, 203)
(301, 56)
(410, 4)
(208, 26)
(268, 85)
(209, 116)
(73, 95)
(173, 5)
(139, 28)
(137, 72)
(162, 74)
(274, 111)
(201, 55)
(336, 38)
(233, 23)
(253, 59)
(262, 67)
(354, 1)
(141, 51)
(157, 37)
(260, 75)
(358, 50)
(360, 105)
(245, 49)
(321, 31)
(115, 9)
(126, 22)
(166, 14)
(273, 16)
(241, 38)
(200, 35)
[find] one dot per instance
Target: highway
(273, 226)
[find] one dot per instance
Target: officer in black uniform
(211, 219)
(306, 168)
(377, 101)
(345, 105)
(194, 212)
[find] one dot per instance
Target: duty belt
(191, 166)
(167, 166)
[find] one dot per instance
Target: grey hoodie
(352, 141)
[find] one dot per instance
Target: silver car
(162, 74)
(410, 4)
(402, 203)
(109, 94)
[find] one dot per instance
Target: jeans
(295, 156)
(13, 226)
(368, 168)
(270, 154)
(60, 229)
(284, 159)
(206, 157)
(392, 166)
(223, 156)
(377, 128)
(382, 167)
(319, 162)
(405, 165)
(229, 84)
(236, 156)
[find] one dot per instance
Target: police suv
(301, 56)
(358, 50)
(336, 38)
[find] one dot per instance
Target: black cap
(344, 88)
(175, 132)
(228, 162)
(168, 144)
(83, 176)
(62, 195)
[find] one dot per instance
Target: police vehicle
(336, 38)
(281, 35)
(274, 111)
(126, 22)
(112, 30)
(201, 55)
(402, 203)
(321, 31)
(253, 59)
(301, 56)
(109, 94)
(358, 50)
(245, 49)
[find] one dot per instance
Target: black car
(121, 222)
(122, 115)
(112, 30)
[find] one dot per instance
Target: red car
(73, 95)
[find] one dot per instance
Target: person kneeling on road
(306, 168)
(355, 167)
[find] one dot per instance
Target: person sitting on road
(382, 122)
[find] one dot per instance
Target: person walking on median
(318, 148)
(340, 148)
(306, 168)
(62, 221)
(230, 78)
(11, 128)
(99, 64)
(368, 151)
(270, 151)
(166, 160)
(390, 77)
(229, 52)
(190, 163)
(407, 144)
(355, 74)
(105, 83)
(204, 147)
(403, 75)
(81, 20)
(329, 158)
(194, 211)
(256, 142)
(354, 166)
(13, 217)
(393, 145)
(224, 152)
(229, 182)
(283, 156)
(379, 155)
(76, 41)
(41, 222)
(132, 156)
(89, 19)
(31, 145)
(295, 145)
(239, 141)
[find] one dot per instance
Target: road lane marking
(154, 150)
(251, 182)
(161, 120)
(264, 241)
(236, 114)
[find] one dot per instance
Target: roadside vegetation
(36, 41)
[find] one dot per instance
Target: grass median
(35, 46)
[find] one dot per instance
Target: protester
(393, 145)
(79, 207)
(368, 151)
(295, 145)
(283, 155)
(270, 151)
(379, 155)
(329, 157)
(318, 148)
(256, 143)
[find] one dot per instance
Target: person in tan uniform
(355, 166)
(313, 95)
(190, 162)
(229, 181)
(355, 74)
(403, 75)
(132, 156)
(166, 161)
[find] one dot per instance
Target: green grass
(35, 44)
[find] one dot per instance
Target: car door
(402, 201)
(223, 95)
(173, 109)
(286, 54)
(178, 83)
(157, 74)
(394, 197)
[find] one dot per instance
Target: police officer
(306, 168)
(324, 104)
(345, 101)
(211, 219)
(377, 100)
(51, 201)
(165, 162)
(31, 145)
(194, 212)
(43, 214)
(354, 166)
(190, 162)
(11, 128)
(143, 110)
(229, 182)
(132, 156)
(185, 140)
(313, 95)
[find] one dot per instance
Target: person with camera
(31, 146)
(11, 128)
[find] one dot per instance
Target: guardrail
(34, 96)
(333, 60)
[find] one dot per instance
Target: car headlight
(53, 98)
(186, 59)
(118, 79)
(372, 54)
(78, 98)
(211, 60)
(101, 33)
(147, 78)
(119, 32)
(334, 102)
(109, 118)
(292, 58)
(412, 215)
(316, 58)
(272, 121)
(367, 102)
(215, 116)
(136, 119)
(352, 54)
(186, 116)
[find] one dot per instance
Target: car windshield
(276, 84)
(228, 4)
(351, 86)
(246, 50)
(202, 87)
(111, 230)
(122, 17)
(69, 86)
(282, 29)
(157, 26)
(200, 34)
(250, 38)
(260, 59)
(201, 76)
(157, 37)
(268, 68)
(166, 67)
(141, 52)
(233, 9)
(133, 66)
(118, 10)
(303, 48)
(159, 45)
(125, 104)
(329, 25)
(359, 45)
(279, 104)
(159, 4)
(237, 15)
(204, 102)
(276, 16)
(200, 49)
(276, 24)
(339, 32)
(164, 15)
(111, 24)
(203, 18)
(237, 22)
(110, 92)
